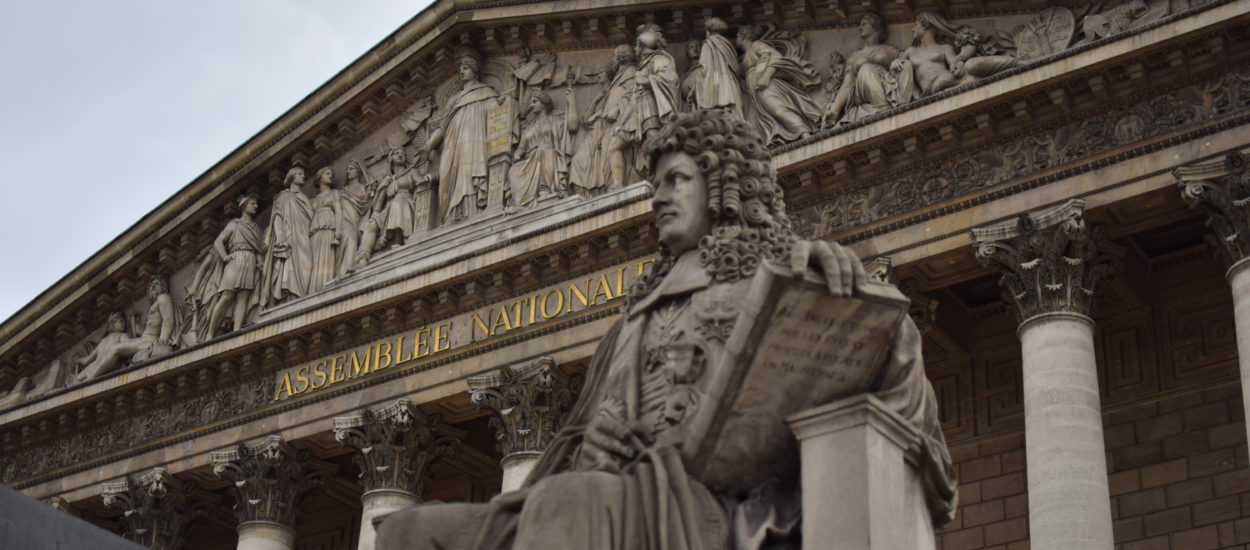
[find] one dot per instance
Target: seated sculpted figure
(156, 340)
(614, 477)
(944, 56)
(868, 85)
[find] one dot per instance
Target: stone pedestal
(1069, 500)
(380, 502)
(861, 488)
(265, 535)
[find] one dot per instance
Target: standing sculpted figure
(618, 476)
(720, 82)
(657, 84)
(868, 86)
(604, 159)
(775, 82)
(540, 164)
(325, 231)
(462, 169)
(354, 207)
(394, 217)
(288, 263)
(157, 338)
(238, 248)
(694, 75)
(943, 56)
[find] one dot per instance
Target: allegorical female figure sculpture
(868, 86)
(324, 231)
(354, 207)
(540, 164)
(620, 475)
(239, 248)
(604, 159)
(462, 167)
(719, 85)
(943, 55)
(774, 81)
(288, 262)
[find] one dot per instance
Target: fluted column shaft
(1069, 499)
(1051, 266)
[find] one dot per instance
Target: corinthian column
(1220, 189)
(271, 479)
(1051, 267)
(528, 406)
(399, 452)
(157, 508)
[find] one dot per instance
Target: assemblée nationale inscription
(437, 338)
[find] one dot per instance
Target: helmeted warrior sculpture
(621, 474)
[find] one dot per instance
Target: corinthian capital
(1050, 261)
(528, 404)
(1220, 188)
(157, 508)
(399, 446)
(271, 479)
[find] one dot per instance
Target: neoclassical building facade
(390, 295)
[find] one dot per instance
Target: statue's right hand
(609, 443)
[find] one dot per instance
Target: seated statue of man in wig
(621, 474)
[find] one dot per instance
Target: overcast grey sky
(109, 107)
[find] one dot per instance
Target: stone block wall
(1178, 471)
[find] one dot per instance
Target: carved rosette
(271, 479)
(1221, 189)
(399, 446)
(528, 404)
(157, 508)
(1050, 261)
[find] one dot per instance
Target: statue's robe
(462, 168)
(637, 374)
(720, 85)
(608, 119)
(783, 93)
(288, 274)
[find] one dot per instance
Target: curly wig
(747, 207)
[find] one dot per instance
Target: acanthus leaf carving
(528, 404)
(398, 447)
(271, 479)
(1220, 188)
(157, 508)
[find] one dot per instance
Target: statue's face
(326, 177)
(250, 206)
(467, 72)
(680, 202)
(297, 178)
(866, 28)
(117, 325)
(536, 105)
(156, 288)
(397, 156)
(352, 171)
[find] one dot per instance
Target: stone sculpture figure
(325, 231)
(233, 269)
(694, 75)
(719, 84)
(868, 86)
(462, 170)
(657, 85)
(943, 56)
(540, 164)
(604, 158)
(394, 216)
(775, 80)
(354, 208)
(157, 339)
(614, 477)
(287, 263)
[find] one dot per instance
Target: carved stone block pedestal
(861, 488)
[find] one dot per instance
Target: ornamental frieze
(1194, 104)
